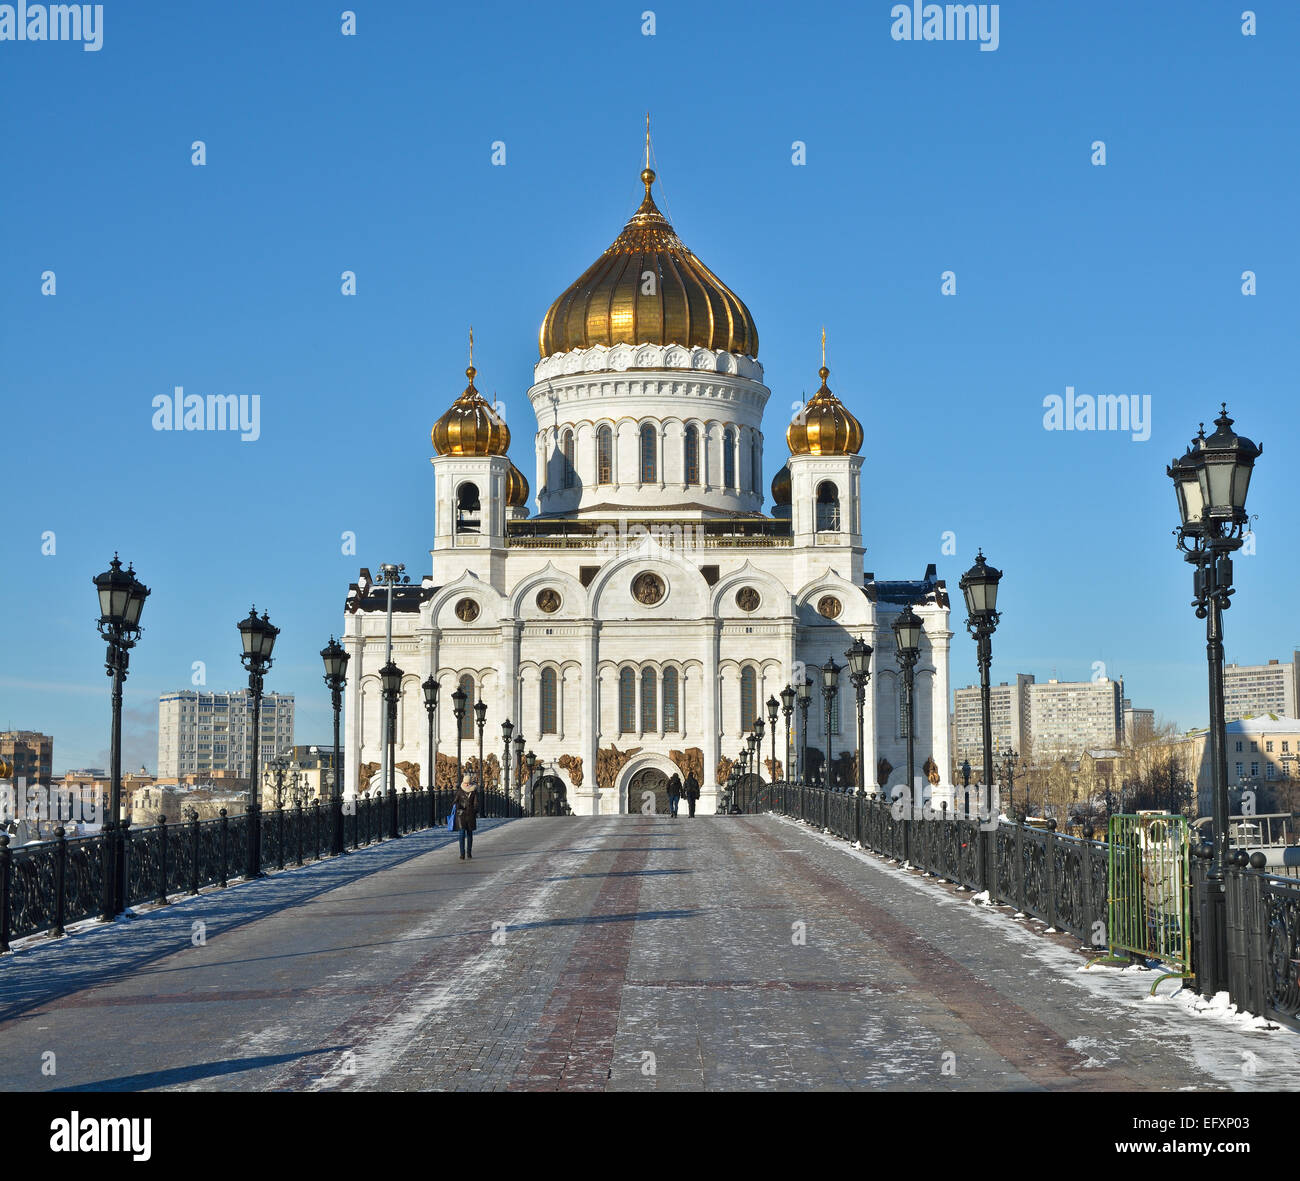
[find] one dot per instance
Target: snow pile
(982, 898)
(1218, 1007)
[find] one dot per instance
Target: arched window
(729, 463)
(828, 507)
(692, 455)
(548, 706)
(748, 699)
(670, 701)
(649, 708)
(626, 702)
(467, 722)
(468, 507)
(649, 466)
(570, 476)
(604, 456)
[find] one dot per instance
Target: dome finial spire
(470, 371)
(647, 173)
(823, 346)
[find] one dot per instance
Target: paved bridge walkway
(626, 953)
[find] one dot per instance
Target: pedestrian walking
(467, 815)
(692, 791)
(674, 794)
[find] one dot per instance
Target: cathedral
(643, 616)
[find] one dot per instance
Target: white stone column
(940, 639)
(587, 799)
(707, 694)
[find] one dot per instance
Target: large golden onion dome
(824, 426)
(679, 300)
(781, 490)
(470, 426)
(516, 488)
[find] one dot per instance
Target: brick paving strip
(575, 1047)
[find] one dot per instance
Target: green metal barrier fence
(1149, 891)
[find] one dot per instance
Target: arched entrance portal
(649, 782)
(549, 797)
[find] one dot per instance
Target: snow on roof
(1264, 724)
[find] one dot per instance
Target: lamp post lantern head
(519, 747)
(830, 676)
(480, 713)
(1222, 464)
(759, 727)
(804, 692)
(390, 679)
(258, 636)
(773, 708)
(507, 729)
(859, 658)
(907, 631)
(787, 700)
(430, 687)
(531, 760)
(458, 703)
(121, 598)
(335, 658)
(980, 586)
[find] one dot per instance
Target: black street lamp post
(787, 709)
(519, 767)
(480, 717)
(830, 687)
(531, 760)
(965, 783)
(258, 637)
(758, 731)
(907, 645)
(859, 658)
(458, 699)
(121, 599)
(980, 586)
(390, 680)
(772, 709)
(804, 694)
(430, 687)
(1211, 480)
(507, 729)
(336, 677)
(1009, 758)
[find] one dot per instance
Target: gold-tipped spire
(823, 345)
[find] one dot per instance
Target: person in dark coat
(674, 794)
(466, 816)
(692, 791)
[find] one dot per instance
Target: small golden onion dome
(648, 288)
(516, 488)
(824, 426)
(781, 486)
(470, 426)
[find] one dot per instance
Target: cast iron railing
(46, 886)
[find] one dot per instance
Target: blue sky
(372, 153)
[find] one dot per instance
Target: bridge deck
(621, 953)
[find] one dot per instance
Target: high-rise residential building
(1139, 724)
(1272, 688)
(1066, 717)
(1009, 715)
(200, 733)
(29, 753)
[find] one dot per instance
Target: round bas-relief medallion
(829, 606)
(747, 598)
(648, 589)
(467, 610)
(548, 600)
